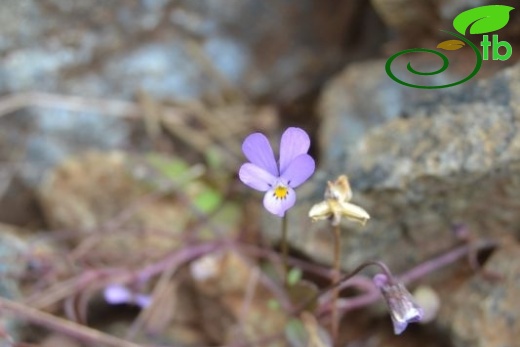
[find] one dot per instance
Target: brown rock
(115, 198)
(408, 18)
(235, 299)
(481, 313)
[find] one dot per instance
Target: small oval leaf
(294, 275)
(451, 45)
(483, 19)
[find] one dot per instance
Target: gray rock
(419, 162)
(34, 140)
(13, 250)
(454, 158)
(171, 49)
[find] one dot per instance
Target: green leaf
(451, 45)
(483, 19)
(296, 334)
(294, 276)
(207, 200)
(171, 168)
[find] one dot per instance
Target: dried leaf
(451, 45)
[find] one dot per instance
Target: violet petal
(256, 177)
(413, 315)
(299, 170)
(400, 302)
(399, 326)
(278, 206)
(295, 142)
(258, 151)
(143, 301)
(116, 294)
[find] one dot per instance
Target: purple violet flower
(402, 306)
(278, 181)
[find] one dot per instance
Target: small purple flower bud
(403, 309)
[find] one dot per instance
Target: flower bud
(403, 309)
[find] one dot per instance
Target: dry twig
(63, 326)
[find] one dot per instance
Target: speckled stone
(481, 313)
(453, 158)
(13, 249)
(171, 49)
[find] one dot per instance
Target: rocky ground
(120, 133)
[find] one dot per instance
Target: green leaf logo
(483, 19)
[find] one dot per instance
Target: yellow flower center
(281, 192)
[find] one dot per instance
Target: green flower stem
(285, 250)
(335, 279)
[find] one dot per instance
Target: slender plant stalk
(61, 325)
(285, 251)
(332, 286)
(335, 279)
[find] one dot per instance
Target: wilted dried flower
(336, 205)
(400, 302)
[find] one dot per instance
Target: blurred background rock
(79, 76)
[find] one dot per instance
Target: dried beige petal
(339, 190)
(320, 211)
(354, 212)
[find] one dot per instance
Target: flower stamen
(280, 192)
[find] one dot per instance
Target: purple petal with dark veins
(256, 177)
(299, 170)
(294, 143)
(402, 306)
(258, 151)
(279, 206)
